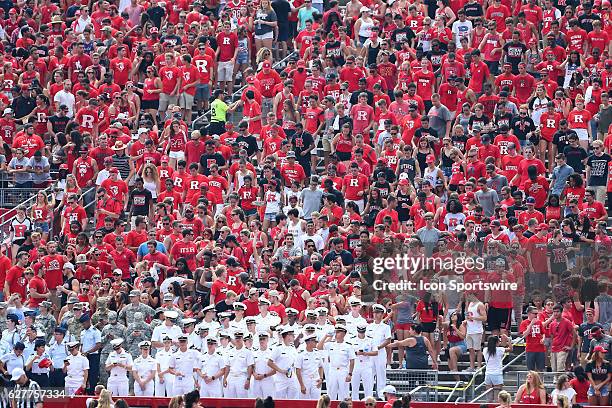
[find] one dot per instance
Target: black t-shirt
(586, 21)
(584, 331)
(436, 58)
(599, 373)
(575, 156)
(23, 106)
(156, 14)
(480, 121)
(402, 34)
(58, 123)
(300, 143)
(140, 200)
(207, 160)
(560, 139)
(282, 8)
(598, 165)
(355, 97)
(514, 53)
(473, 10)
(521, 126)
(249, 143)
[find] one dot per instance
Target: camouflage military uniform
(47, 324)
(101, 314)
(113, 330)
(126, 315)
(144, 331)
(3, 325)
(74, 328)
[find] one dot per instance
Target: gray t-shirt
(16, 164)
(270, 16)
(497, 183)
(487, 200)
(41, 164)
(559, 177)
(429, 238)
(439, 119)
(312, 201)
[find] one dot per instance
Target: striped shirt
(122, 163)
(27, 395)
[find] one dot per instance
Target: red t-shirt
(534, 337)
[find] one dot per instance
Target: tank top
(408, 166)
(279, 109)
(149, 85)
(605, 308)
(373, 53)
(405, 311)
(446, 161)
(295, 229)
(403, 213)
(531, 398)
(452, 336)
(366, 28)
(152, 187)
(344, 145)
(431, 175)
(416, 357)
(421, 157)
(474, 326)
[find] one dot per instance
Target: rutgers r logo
(354, 182)
(579, 119)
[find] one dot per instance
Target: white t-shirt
(568, 393)
(494, 363)
(461, 29)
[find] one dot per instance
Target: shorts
(242, 58)
(44, 226)
(177, 155)
(166, 100)
(283, 32)
(185, 101)
(474, 341)
(225, 71)
(342, 156)
(536, 360)
(461, 344)
(270, 216)
(428, 327)
(403, 326)
(494, 379)
(266, 36)
(603, 391)
(202, 92)
(326, 142)
(153, 105)
(251, 212)
(498, 318)
(583, 134)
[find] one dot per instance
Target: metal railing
(240, 90)
(405, 380)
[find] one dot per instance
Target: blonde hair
(105, 401)
(154, 172)
(323, 401)
(504, 397)
(537, 381)
(563, 402)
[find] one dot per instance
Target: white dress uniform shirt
(144, 367)
(162, 359)
(75, 375)
(309, 362)
(161, 331)
(210, 365)
(184, 363)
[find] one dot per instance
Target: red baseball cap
(266, 64)
(301, 64)
(430, 158)
(113, 170)
(63, 166)
(542, 226)
(165, 159)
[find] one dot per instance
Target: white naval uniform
(240, 326)
(286, 386)
(164, 389)
(238, 362)
(340, 356)
(352, 322)
(380, 332)
(161, 331)
(213, 327)
(184, 362)
(265, 387)
(211, 364)
(362, 372)
(309, 364)
(75, 376)
(264, 323)
(144, 367)
(118, 383)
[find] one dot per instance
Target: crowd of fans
(184, 236)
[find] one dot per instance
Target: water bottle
(436, 334)
(290, 372)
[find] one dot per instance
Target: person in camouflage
(69, 313)
(156, 319)
(126, 315)
(3, 325)
(113, 330)
(45, 320)
(100, 318)
(137, 331)
(74, 325)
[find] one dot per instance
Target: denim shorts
(494, 379)
(242, 58)
(44, 226)
(604, 391)
(461, 344)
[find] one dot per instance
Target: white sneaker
(469, 370)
